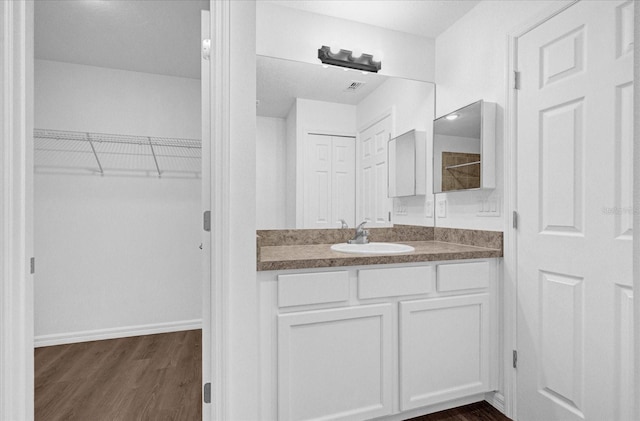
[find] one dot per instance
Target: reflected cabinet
(464, 149)
(408, 164)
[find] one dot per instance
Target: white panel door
(444, 349)
(329, 181)
(335, 364)
(574, 196)
(343, 181)
(317, 182)
(375, 205)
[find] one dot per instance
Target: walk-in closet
(117, 215)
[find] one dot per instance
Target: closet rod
(461, 165)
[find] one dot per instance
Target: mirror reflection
(321, 144)
(457, 149)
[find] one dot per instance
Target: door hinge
(206, 49)
(516, 80)
(207, 393)
(32, 265)
(207, 221)
(515, 220)
(515, 359)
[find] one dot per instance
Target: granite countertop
(300, 249)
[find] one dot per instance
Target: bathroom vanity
(353, 337)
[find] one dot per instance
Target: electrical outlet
(400, 207)
(441, 208)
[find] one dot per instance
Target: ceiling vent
(354, 86)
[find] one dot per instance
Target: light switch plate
(428, 209)
(488, 207)
(441, 208)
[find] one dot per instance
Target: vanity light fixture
(345, 58)
(451, 117)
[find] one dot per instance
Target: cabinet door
(335, 364)
(444, 349)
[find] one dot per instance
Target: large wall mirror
(321, 144)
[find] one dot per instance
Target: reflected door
(329, 181)
(374, 203)
(574, 196)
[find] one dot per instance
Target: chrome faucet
(362, 235)
(344, 224)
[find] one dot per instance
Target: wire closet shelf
(116, 154)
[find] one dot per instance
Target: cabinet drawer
(378, 283)
(312, 288)
(457, 276)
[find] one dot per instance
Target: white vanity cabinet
(444, 349)
(358, 343)
(335, 364)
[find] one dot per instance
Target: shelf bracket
(153, 152)
(94, 153)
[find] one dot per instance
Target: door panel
(344, 181)
(574, 200)
(317, 192)
(329, 181)
(375, 205)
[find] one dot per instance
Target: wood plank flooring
(480, 411)
(152, 377)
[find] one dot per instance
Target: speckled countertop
(299, 249)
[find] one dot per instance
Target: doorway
(118, 223)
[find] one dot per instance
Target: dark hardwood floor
(480, 411)
(153, 377)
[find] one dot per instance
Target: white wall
(271, 173)
(297, 35)
(414, 103)
(471, 64)
(291, 167)
(241, 371)
(116, 255)
(86, 98)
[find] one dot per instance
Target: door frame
(636, 204)
(16, 210)
(510, 198)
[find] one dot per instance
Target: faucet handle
(359, 227)
(344, 224)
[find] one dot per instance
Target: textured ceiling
(279, 82)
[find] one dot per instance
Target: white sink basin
(372, 248)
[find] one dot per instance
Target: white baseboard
(117, 332)
(419, 412)
(496, 400)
